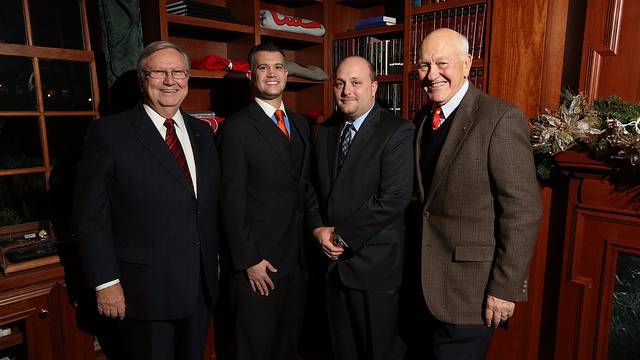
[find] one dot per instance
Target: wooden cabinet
(35, 306)
(226, 92)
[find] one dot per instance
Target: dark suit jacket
(366, 200)
(138, 219)
(480, 216)
(264, 193)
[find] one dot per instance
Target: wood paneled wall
(611, 50)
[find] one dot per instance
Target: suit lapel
(362, 136)
(462, 123)
(150, 137)
(272, 135)
(332, 148)
(418, 151)
(196, 145)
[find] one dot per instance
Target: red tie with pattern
(437, 119)
(176, 149)
(279, 114)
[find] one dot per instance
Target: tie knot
(348, 126)
(279, 114)
(169, 123)
(437, 111)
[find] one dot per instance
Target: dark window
(56, 23)
(66, 85)
(20, 143)
(12, 20)
(17, 84)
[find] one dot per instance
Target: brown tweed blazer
(480, 216)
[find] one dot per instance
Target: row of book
(386, 56)
(418, 97)
(200, 10)
(467, 20)
(389, 96)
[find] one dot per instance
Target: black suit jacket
(264, 192)
(138, 219)
(366, 200)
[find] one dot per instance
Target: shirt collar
(158, 120)
(360, 119)
(452, 104)
(270, 109)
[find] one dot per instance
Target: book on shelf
(199, 9)
(386, 56)
(368, 26)
(376, 20)
(468, 20)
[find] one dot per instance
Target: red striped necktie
(176, 149)
(437, 119)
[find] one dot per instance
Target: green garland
(607, 129)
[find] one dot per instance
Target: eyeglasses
(161, 74)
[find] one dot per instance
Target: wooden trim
(398, 28)
(608, 47)
(450, 4)
(46, 52)
(302, 38)
(48, 113)
(27, 23)
(24, 171)
(209, 24)
(209, 74)
(19, 113)
(389, 78)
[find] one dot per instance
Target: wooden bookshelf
(385, 30)
(449, 4)
(210, 90)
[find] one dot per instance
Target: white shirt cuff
(106, 285)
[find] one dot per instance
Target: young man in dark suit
(264, 151)
(364, 168)
(481, 203)
(145, 210)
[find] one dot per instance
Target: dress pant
(434, 339)
(269, 327)
(363, 325)
(176, 339)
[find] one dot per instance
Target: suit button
(331, 201)
(197, 212)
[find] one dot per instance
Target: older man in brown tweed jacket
(480, 203)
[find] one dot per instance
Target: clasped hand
(327, 240)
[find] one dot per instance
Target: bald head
(444, 64)
(457, 40)
(355, 86)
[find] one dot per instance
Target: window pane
(56, 23)
(66, 85)
(65, 136)
(23, 199)
(17, 88)
(19, 143)
(12, 29)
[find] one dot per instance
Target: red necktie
(279, 114)
(176, 149)
(437, 120)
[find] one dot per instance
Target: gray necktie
(345, 142)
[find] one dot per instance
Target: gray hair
(157, 46)
(463, 44)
